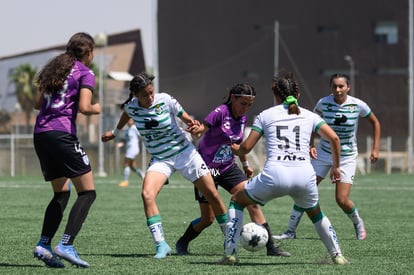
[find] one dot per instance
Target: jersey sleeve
(87, 79)
(214, 118)
(173, 105)
(364, 109)
(318, 107)
(258, 124)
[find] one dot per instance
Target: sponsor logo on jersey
(290, 156)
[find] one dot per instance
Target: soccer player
(340, 111)
(221, 128)
(131, 152)
(155, 117)
(66, 85)
(287, 129)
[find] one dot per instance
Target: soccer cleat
(123, 183)
(277, 251)
(361, 233)
(181, 248)
(44, 253)
(285, 236)
(340, 260)
(69, 253)
(162, 249)
(228, 260)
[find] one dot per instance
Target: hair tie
(290, 100)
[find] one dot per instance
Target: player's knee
(341, 200)
(206, 221)
(147, 195)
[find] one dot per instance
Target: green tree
(24, 79)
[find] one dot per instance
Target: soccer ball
(253, 237)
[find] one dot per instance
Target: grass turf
(115, 238)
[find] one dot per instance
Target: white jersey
(158, 127)
(343, 118)
(132, 142)
(287, 136)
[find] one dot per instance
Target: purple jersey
(223, 131)
(59, 110)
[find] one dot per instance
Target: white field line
(177, 184)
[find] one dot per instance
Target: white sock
(328, 236)
(127, 172)
(295, 217)
(354, 215)
(155, 227)
(233, 228)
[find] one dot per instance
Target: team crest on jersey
(224, 154)
(85, 159)
(158, 109)
(352, 108)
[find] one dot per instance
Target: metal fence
(18, 157)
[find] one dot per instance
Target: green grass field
(115, 239)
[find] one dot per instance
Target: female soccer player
(287, 129)
(221, 128)
(155, 118)
(65, 88)
(340, 111)
(131, 152)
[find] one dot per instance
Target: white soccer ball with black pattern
(253, 237)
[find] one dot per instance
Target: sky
(27, 25)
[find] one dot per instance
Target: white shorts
(298, 182)
(323, 164)
(132, 151)
(189, 164)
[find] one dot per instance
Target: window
(386, 32)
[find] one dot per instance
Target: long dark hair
(339, 75)
(287, 89)
(240, 90)
(54, 73)
(140, 81)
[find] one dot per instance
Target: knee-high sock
(77, 216)
(155, 227)
(127, 172)
(233, 228)
(353, 215)
(53, 216)
(295, 217)
(190, 234)
(270, 243)
(327, 234)
(222, 220)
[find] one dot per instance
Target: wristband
(115, 131)
(245, 163)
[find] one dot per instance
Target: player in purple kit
(221, 128)
(66, 85)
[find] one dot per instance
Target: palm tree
(26, 88)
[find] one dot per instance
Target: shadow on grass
(132, 255)
(19, 265)
(253, 264)
(136, 255)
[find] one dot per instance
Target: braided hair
(140, 81)
(240, 90)
(287, 89)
